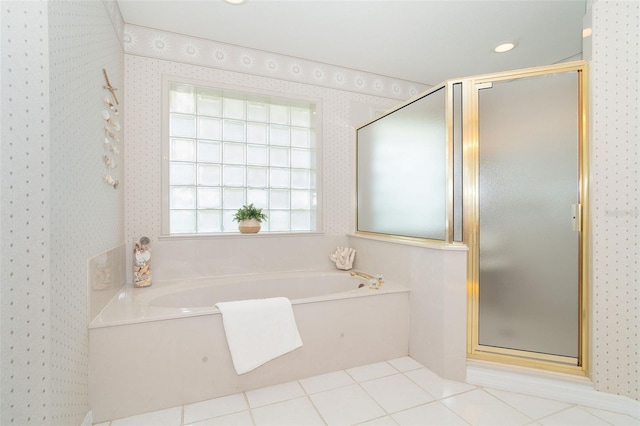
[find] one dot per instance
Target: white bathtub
(164, 346)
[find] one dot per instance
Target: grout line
(249, 409)
(570, 407)
(308, 395)
(377, 418)
(374, 400)
(324, 421)
(588, 410)
(373, 378)
(435, 398)
(531, 396)
(452, 411)
(460, 393)
(330, 389)
(497, 398)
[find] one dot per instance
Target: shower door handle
(576, 217)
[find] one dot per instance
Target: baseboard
(556, 386)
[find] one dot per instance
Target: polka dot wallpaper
(615, 183)
(26, 199)
(56, 210)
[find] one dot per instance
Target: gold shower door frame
(470, 89)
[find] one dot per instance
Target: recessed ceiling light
(235, 1)
(504, 47)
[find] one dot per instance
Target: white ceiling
(426, 41)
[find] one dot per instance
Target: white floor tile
(414, 396)
(168, 417)
(617, 419)
(295, 412)
(325, 382)
(397, 392)
(272, 394)
(435, 385)
(478, 407)
(371, 371)
(573, 416)
(242, 418)
(531, 406)
(431, 414)
(405, 363)
(346, 405)
(214, 408)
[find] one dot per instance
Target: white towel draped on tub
(259, 330)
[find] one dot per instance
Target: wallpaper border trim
(174, 47)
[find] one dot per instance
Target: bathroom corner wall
(615, 183)
(438, 300)
(227, 254)
(56, 211)
(87, 215)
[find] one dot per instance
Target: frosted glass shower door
(528, 259)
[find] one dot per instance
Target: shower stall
(498, 163)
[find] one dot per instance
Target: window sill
(235, 235)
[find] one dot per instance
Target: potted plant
(249, 218)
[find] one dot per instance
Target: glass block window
(227, 149)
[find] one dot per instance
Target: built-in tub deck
(198, 296)
(164, 346)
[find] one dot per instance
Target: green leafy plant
(249, 212)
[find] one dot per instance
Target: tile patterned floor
(398, 392)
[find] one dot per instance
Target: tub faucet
(374, 281)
